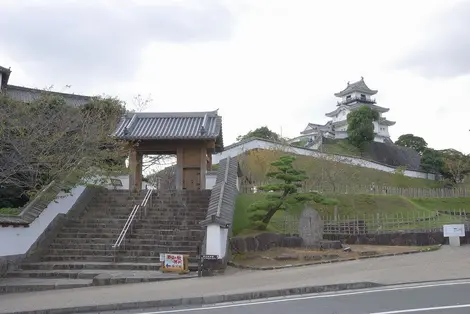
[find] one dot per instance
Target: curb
(207, 299)
(236, 265)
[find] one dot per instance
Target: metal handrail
(131, 218)
(126, 227)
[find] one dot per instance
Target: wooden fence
(374, 190)
(378, 223)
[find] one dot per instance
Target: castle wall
(237, 149)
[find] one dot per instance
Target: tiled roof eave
(345, 92)
(159, 138)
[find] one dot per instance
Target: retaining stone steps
(185, 241)
(72, 265)
(82, 255)
(86, 248)
(15, 285)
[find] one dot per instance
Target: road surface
(450, 297)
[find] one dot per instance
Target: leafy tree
(415, 142)
(262, 132)
(285, 193)
(432, 161)
(456, 165)
(46, 140)
(361, 126)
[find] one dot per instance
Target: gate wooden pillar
(135, 167)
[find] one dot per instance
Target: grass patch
(256, 164)
(400, 210)
(341, 148)
(454, 203)
(9, 211)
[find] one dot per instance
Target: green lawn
(341, 147)
(9, 211)
(389, 211)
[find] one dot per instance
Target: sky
(274, 63)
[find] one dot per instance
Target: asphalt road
(436, 298)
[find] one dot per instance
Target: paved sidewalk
(446, 263)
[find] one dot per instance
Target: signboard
(454, 230)
(162, 257)
(210, 257)
(173, 262)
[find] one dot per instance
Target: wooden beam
(169, 146)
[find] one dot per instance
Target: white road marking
(449, 307)
(320, 296)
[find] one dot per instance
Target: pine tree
(284, 194)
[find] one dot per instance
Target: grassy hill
(256, 163)
(361, 206)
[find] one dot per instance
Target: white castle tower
(354, 96)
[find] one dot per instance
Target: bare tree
(140, 103)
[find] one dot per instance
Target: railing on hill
(136, 210)
(372, 189)
(377, 223)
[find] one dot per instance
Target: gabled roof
(386, 122)
(171, 126)
(355, 105)
(359, 86)
(224, 194)
(313, 126)
(26, 94)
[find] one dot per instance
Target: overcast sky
(261, 62)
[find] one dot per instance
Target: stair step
(78, 235)
(129, 246)
(173, 241)
(15, 285)
(55, 273)
(109, 259)
(71, 265)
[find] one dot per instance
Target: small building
(192, 136)
(27, 94)
(354, 96)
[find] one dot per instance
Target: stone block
(313, 257)
(331, 244)
(267, 241)
(292, 241)
(368, 253)
(287, 257)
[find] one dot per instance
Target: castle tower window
(363, 97)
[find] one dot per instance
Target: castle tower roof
(359, 86)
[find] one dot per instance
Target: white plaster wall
(214, 240)
(356, 161)
(210, 181)
(18, 240)
(341, 134)
(223, 241)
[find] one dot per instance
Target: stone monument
(311, 227)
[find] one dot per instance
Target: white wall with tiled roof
(244, 146)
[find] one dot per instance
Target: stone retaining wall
(266, 241)
(9, 262)
(411, 239)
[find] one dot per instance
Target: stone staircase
(171, 226)
(81, 255)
